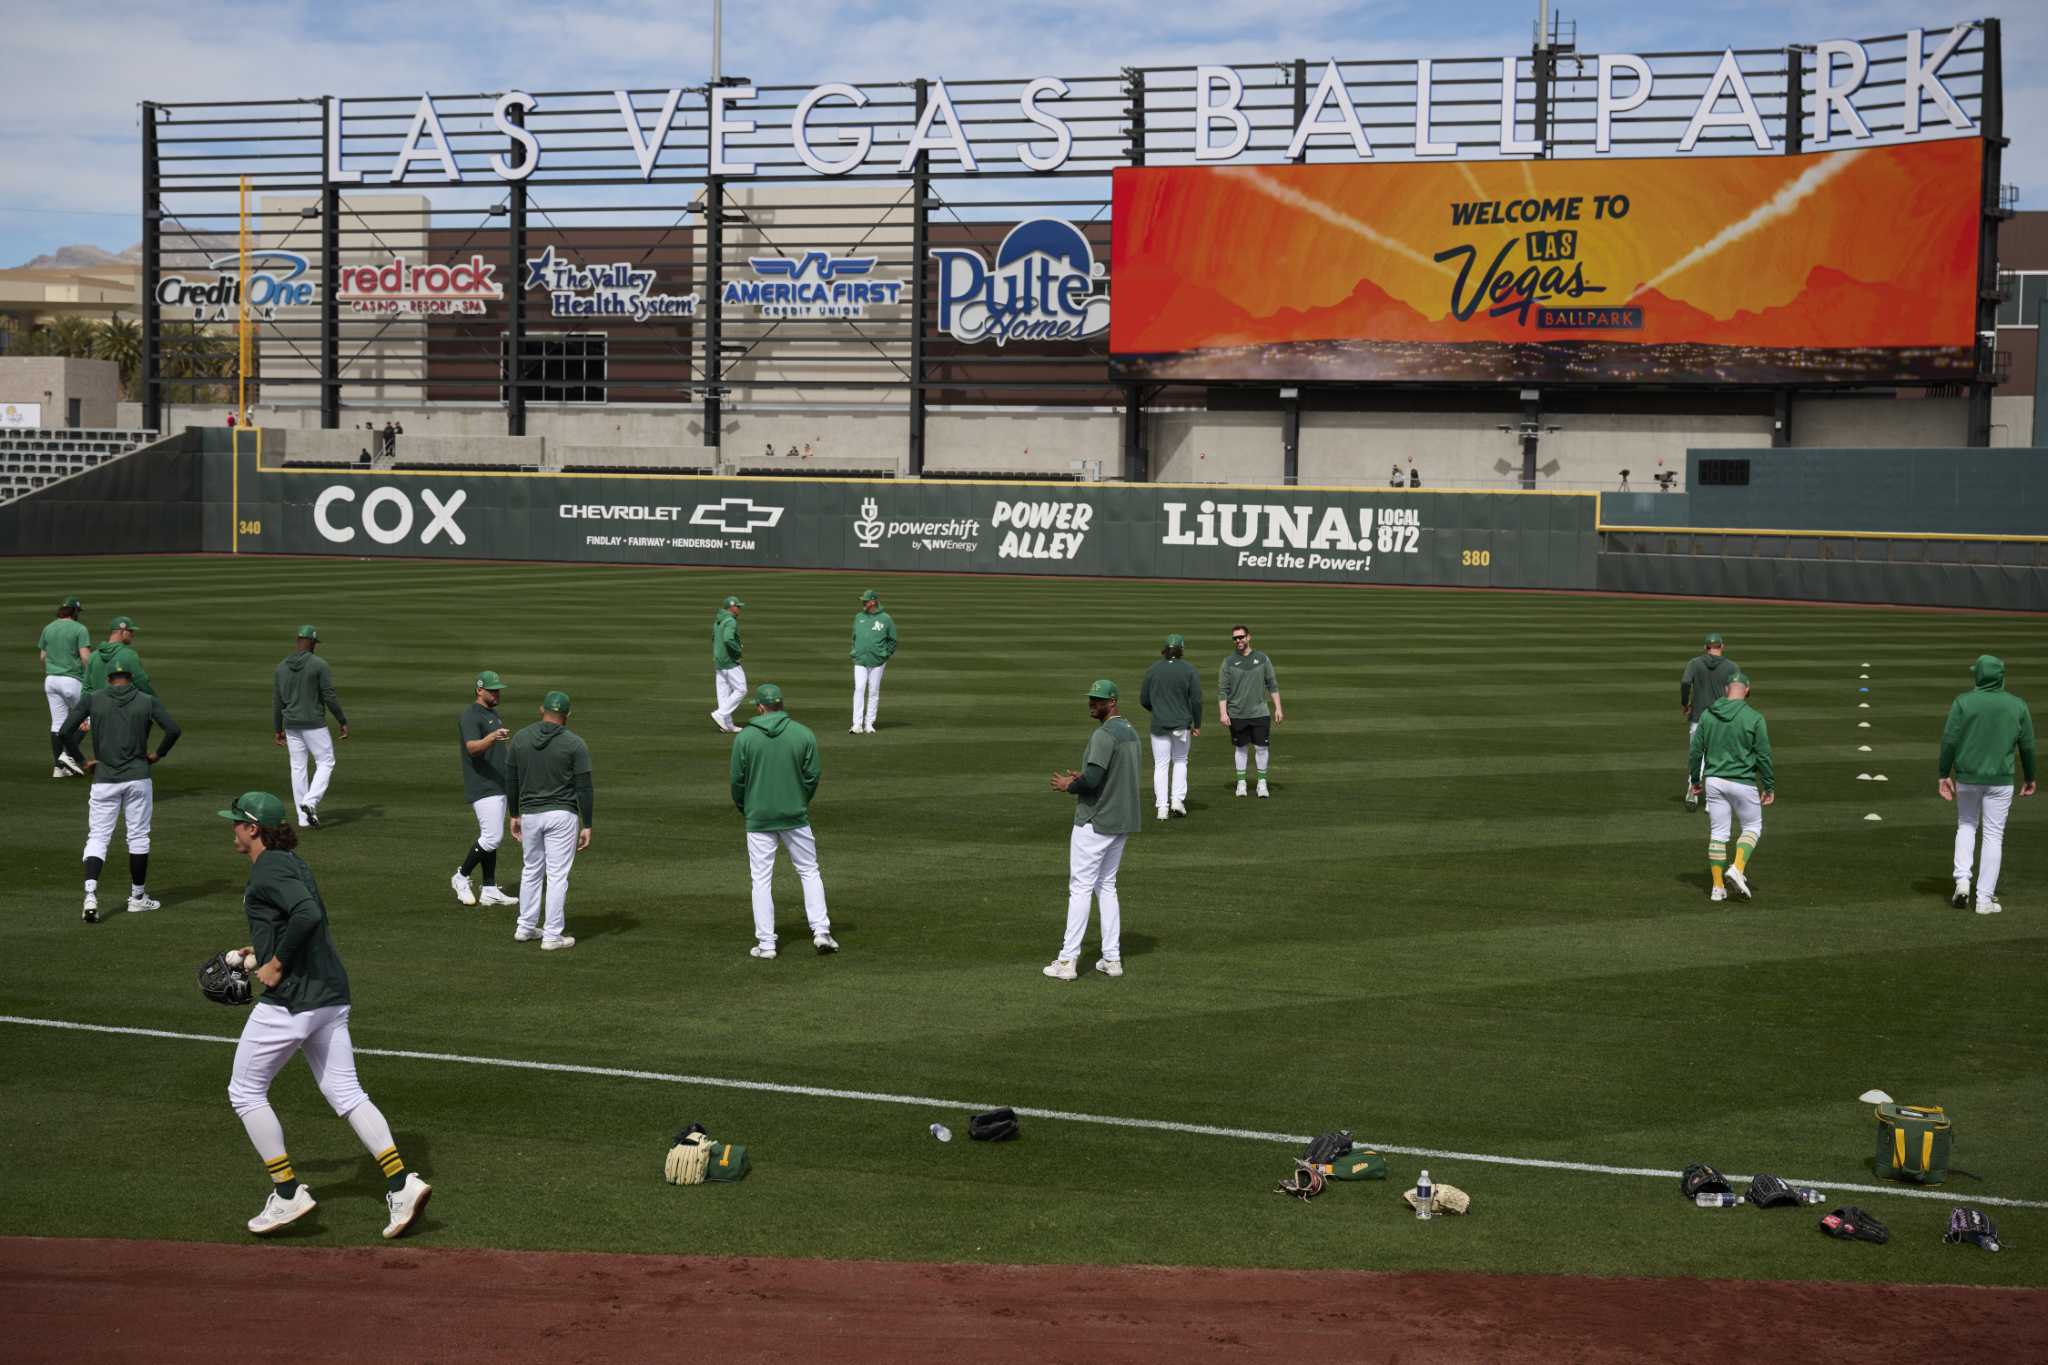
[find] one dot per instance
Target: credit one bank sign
(1842, 68)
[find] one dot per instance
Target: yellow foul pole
(242, 312)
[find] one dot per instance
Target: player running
(1172, 692)
(548, 786)
(121, 715)
(775, 774)
(482, 737)
(1731, 763)
(64, 647)
(1106, 815)
(1244, 684)
(1704, 682)
(874, 644)
(1985, 727)
(299, 702)
(728, 677)
(304, 1008)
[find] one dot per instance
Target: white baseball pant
(62, 694)
(803, 856)
(732, 690)
(269, 1038)
(1690, 731)
(490, 822)
(867, 695)
(1979, 806)
(1169, 768)
(550, 841)
(110, 801)
(319, 746)
(1092, 861)
(1730, 801)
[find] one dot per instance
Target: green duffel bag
(1361, 1163)
(1913, 1143)
(728, 1162)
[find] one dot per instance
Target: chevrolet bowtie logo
(735, 516)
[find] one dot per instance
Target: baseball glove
(1305, 1183)
(1966, 1224)
(1443, 1199)
(1700, 1178)
(222, 984)
(1852, 1224)
(997, 1125)
(688, 1156)
(1769, 1192)
(1325, 1148)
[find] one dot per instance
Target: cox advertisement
(1852, 266)
(1205, 531)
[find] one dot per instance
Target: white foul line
(1062, 1115)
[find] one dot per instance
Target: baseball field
(1471, 925)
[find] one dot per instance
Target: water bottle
(1424, 1195)
(1809, 1195)
(1723, 1200)
(945, 1134)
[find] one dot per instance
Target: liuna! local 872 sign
(1280, 534)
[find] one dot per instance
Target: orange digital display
(1855, 266)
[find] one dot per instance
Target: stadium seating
(35, 457)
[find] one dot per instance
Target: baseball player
(117, 648)
(120, 715)
(482, 737)
(1172, 692)
(299, 703)
(1731, 764)
(874, 644)
(304, 1008)
(775, 774)
(1106, 815)
(548, 787)
(1244, 686)
(64, 647)
(1985, 726)
(1704, 682)
(728, 677)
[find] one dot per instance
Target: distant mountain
(180, 252)
(82, 257)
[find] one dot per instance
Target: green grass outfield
(1473, 918)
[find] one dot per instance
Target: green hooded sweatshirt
(874, 639)
(775, 773)
(1984, 727)
(549, 769)
(121, 717)
(725, 640)
(104, 655)
(304, 694)
(288, 921)
(1732, 742)
(1172, 692)
(1705, 682)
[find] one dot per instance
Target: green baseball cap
(71, 604)
(1176, 642)
(259, 808)
(308, 633)
(121, 623)
(1713, 638)
(490, 681)
(766, 693)
(732, 602)
(871, 596)
(1740, 677)
(556, 701)
(1102, 690)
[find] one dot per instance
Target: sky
(73, 77)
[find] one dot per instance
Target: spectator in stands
(770, 452)
(1395, 480)
(390, 441)
(1624, 481)
(231, 421)
(792, 452)
(1414, 475)
(808, 452)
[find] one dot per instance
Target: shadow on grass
(219, 886)
(1137, 945)
(359, 1181)
(1943, 887)
(349, 816)
(1698, 881)
(597, 926)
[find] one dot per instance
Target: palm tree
(73, 337)
(120, 341)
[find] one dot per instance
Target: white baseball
(234, 959)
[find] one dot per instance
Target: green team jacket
(60, 642)
(775, 772)
(725, 640)
(1106, 796)
(304, 694)
(549, 769)
(105, 655)
(1172, 692)
(874, 639)
(1705, 682)
(1733, 742)
(288, 921)
(121, 717)
(1243, 682)
(1984, 727)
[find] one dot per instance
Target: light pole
(717, 38)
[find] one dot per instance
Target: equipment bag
(1913, 1143)
(1360, 1163)
(728, 1162)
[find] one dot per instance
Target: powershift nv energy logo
(1045, 285)
(276, 280)
(816, 284)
